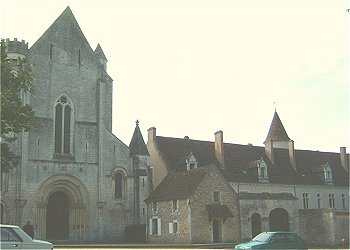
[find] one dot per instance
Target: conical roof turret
(137, 144)
(276, 131)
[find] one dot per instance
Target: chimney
(344, 160)
(292, 154)
(269, 151)
(219, 147)
(152, 133)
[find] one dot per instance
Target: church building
(74, 179)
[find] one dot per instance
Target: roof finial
(137, 122)
(275, 105)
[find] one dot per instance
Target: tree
(16, 115)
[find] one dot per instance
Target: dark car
(273, 240)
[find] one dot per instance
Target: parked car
(273, 240)
(13, 237)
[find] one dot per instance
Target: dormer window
(262, 171)
(191, 162)
(327, 174)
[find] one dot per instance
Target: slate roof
(239, 161)
(178, 185)
(137, 144)
(276, 131)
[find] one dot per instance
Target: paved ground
(160, 248)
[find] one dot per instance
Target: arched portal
(279, 220)
(57, 216)
(61, 213)
(256, 224)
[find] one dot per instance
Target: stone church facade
(74, 179)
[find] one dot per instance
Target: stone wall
(264, 208)
(324, 227)
(201, 225)
(167, 215)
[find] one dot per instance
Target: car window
(7, 234)
(263, 237)
(279, 237)
(291, 237)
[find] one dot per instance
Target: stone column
(100, 207)
(40, 221)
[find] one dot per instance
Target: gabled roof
(99, 52)
(178, 185)
(137, 144)
(276, 131)
(239, 161)
(62, 27)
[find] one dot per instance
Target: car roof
(4, 225)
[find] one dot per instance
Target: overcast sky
(194, 67)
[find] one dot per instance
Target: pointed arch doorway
(57, 216)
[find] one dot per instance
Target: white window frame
(171, 227)
(159, 226)
(263, 175)
(327, 174)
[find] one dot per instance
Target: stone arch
(122, 174)
(76, 193)
(256, 224)
(279, 220)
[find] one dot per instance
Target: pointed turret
(101, 56)
(277, 133)
(99, 53)
(137, 144)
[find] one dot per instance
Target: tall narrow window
(119, 184)
(63, 116)
(305, 200)
(327, 174)
(318, 201)
(343, 201)
(331, 201)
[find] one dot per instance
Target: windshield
(263, 237)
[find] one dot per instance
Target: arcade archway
(279, 220)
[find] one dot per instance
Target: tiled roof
(239, 161)
(277, 131)
(178, 185)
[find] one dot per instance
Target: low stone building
(279, 187)
(193, 206)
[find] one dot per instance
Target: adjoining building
(75, 180)
(182, 210)
(279, 187)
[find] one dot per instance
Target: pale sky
(194, 67)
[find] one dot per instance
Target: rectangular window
(173, 227)
(331, 201)
(216, 196)
(343, 201)
(305, 200)
(155, 226)
(318, 201)
(175, 205)
(143, 211)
